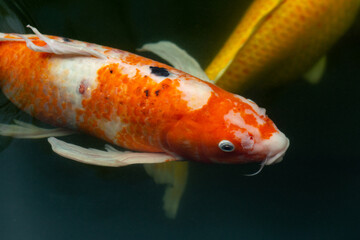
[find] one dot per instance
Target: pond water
(314, 193)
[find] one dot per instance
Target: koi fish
(278, 40)
(160, 113)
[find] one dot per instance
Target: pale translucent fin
(315, 74)
(60, 48)
(177, 57)
(109, 158)
(174, 175)
(27, 130)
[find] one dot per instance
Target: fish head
(229, 129)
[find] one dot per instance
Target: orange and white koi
(130, 101)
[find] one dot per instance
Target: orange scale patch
(39, 43)
(267, 129)
(250, 120)
(25, 79)
(143, 105)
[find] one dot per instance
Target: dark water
(313, 194)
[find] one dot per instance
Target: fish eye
(226, 146)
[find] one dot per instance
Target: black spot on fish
(146, 92)
(157, 92)
(111, 71)
(66, 39)
(159, 71)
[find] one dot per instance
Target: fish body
(134, 102)
(278, 40)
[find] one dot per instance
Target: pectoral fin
(109, 158)
(315, 74)
(177, 57)
(174, 175)
(55, 47)
(26, 130)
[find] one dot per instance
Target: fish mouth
(278, 149)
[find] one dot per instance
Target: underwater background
(314, 193)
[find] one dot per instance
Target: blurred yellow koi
(278, 40)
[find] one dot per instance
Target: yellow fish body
(278, 40)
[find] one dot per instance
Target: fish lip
(279, 156)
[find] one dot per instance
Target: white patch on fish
(260, 111)
(247, 142)
(72, 72)
(109, 126)
(236, 119)
(196, 93)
